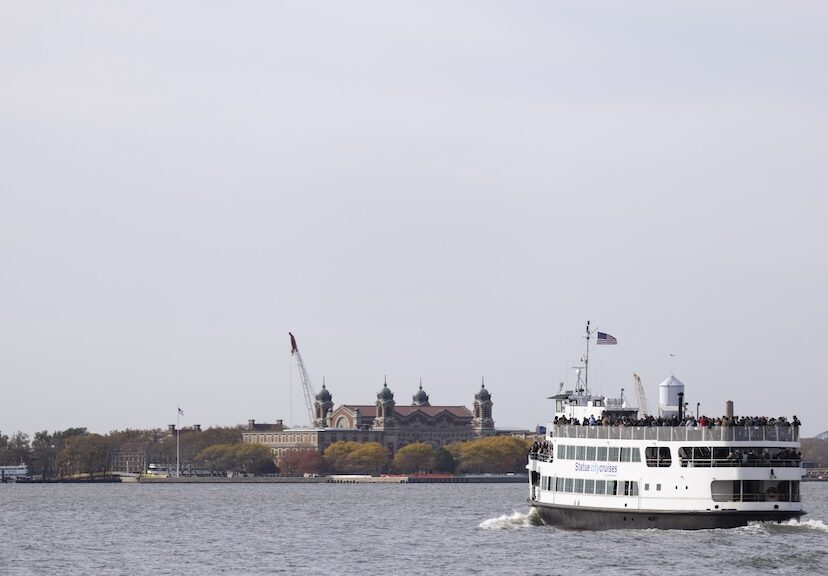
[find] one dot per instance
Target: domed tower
(385, 408)
(482, 423)
(322, 407)
(420, 398)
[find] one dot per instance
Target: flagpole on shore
(178, 443)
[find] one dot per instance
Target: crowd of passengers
(689, 421)
(749, 455)
(540, 449)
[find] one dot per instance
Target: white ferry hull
(579, 518)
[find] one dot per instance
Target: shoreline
(338, 479)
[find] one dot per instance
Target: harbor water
(365, 529)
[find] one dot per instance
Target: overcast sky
(435, 190)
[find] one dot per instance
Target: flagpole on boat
(586, 361)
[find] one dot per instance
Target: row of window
(660, 456)
(293, 438)
(590, 486)
(599, 453)
(755, 491)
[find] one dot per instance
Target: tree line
(219, 450)
(74, 451)
(494, 455)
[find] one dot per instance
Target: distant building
(135, 456)
(131, 457)
(383, 422)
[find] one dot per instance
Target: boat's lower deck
(579, 518)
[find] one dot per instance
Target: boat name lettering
(596, 467)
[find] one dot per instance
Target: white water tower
(668, 397)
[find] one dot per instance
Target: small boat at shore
(604, 465)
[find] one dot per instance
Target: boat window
(570, 452)
(589, 486)
(636, 455)
(626, 454)
(559, 484)
(701, 453)
(646, 487)
(613, 454)
(600, 486)
(658, 487)
(579, 485)
(657, 456)
(580, 454)
(633, 488)
(590, 453)
(720, 453)
(602, 453)
(729, 456)
(754, 491)
(568, 485)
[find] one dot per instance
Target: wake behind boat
(606, 465)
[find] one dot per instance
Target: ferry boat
(603, 465)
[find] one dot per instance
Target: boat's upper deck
(763, 434)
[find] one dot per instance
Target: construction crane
(639, 393)
(307, 386)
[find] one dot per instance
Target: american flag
(604, 338)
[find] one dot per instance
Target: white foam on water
(765, 527)
(810, 524)
(510, 522)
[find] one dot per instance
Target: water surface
(365, 529)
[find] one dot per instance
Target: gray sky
(430, 189)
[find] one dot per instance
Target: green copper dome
(385, 394)
(324, 395)
(483, 395)
(420, 397)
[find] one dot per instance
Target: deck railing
(680, 433)
(749, 463)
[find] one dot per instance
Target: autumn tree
(357, 457)
(415, 458)
(254, 459)
(444, 461)
(246, 458)
(15, 449)
(45, 449)
(86, 453)
(300, 462)
(192, 442)
(493, 455)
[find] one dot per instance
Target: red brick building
(383, 421)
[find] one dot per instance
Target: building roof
(370, 410)
(265, 428)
